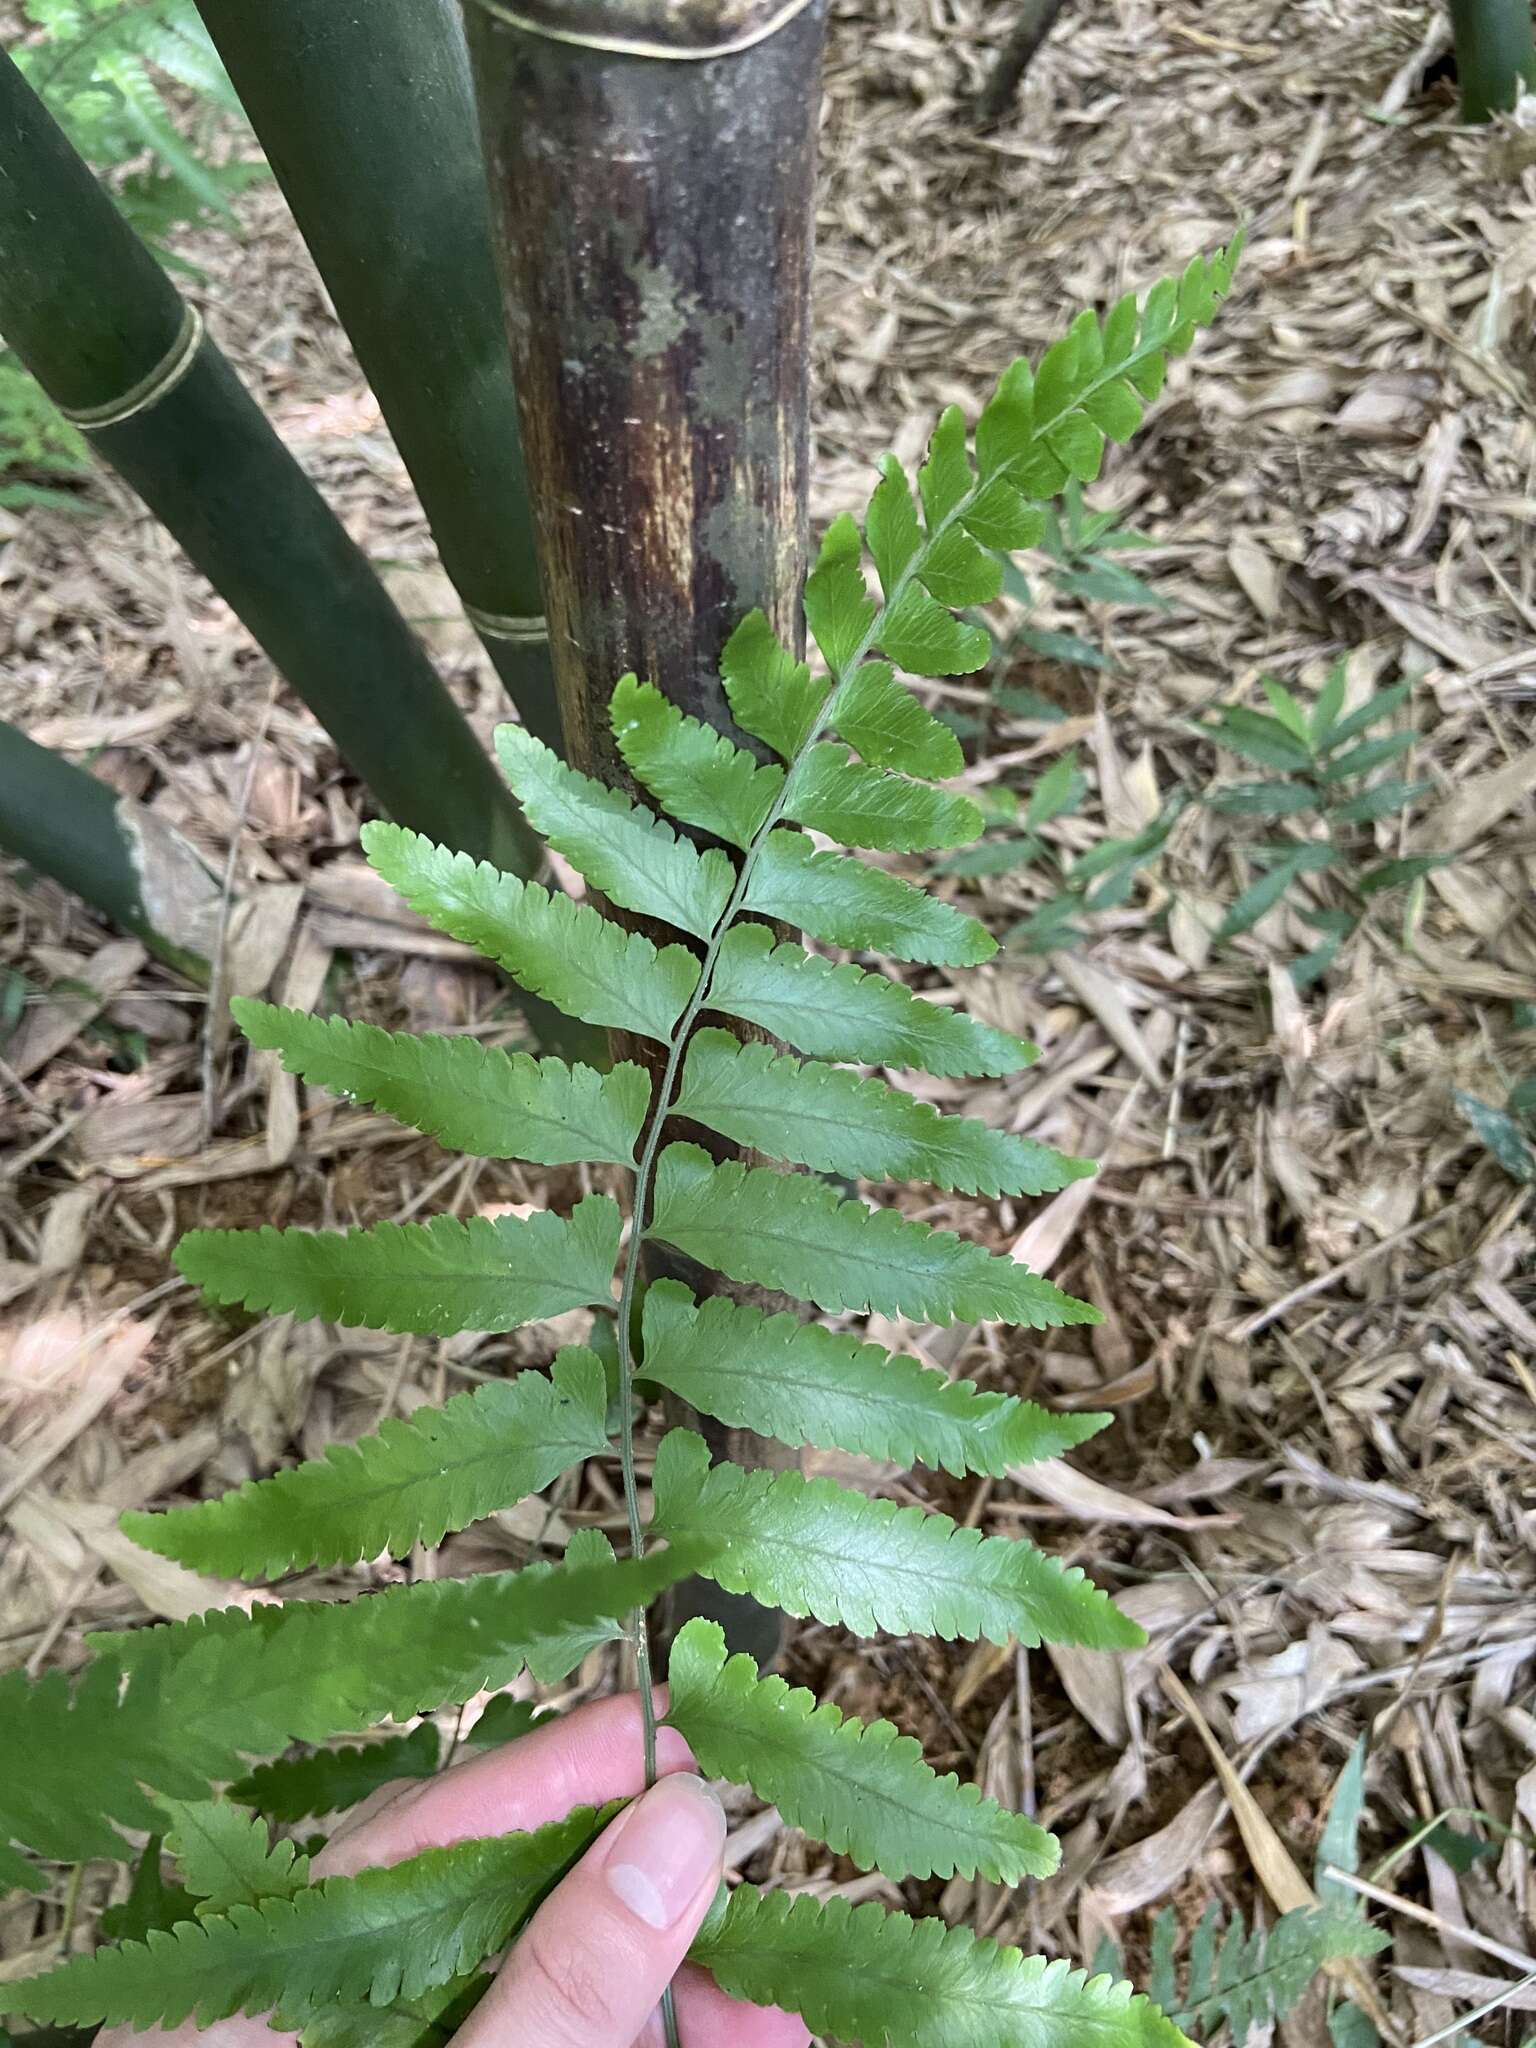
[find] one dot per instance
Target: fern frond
(412, 1483)
(227, 1857)
(1252, 1979)
(331, 1780)
(491, 1273)
(843, 902)
(860, 1787)
(583, 963)
(428, 2021)
(836, 1121)
(812, 1547)
(471, 1097)
(862, 1974)
(76, 1760)
(837, 1011)
(693, 772)
(382, 1935)
(804, 1384)
(801, 1237)
(864, 806)
(181, 1707)
(634, 857)
(771, 695)
(884, 722)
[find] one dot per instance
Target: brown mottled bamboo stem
(652, 170)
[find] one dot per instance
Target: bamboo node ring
(160, 382)
(646, 46)
(530, 628)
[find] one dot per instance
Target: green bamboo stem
(1495, 55)
(96, 320)
(116, 855)
(652, 171)
(367, 118)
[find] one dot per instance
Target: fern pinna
(163, 1716)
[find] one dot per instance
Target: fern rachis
(310, 1672)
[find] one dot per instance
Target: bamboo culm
(368, 120)
(96, 320)
(112, 853)
(1495, 55)
(653, 220)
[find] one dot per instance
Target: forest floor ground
(1319, 1343)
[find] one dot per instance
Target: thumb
(591, 1967)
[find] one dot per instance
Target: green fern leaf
(228, 1858)
(884, 721)
(181, 1707)
(771, 695)
(202, 1695)
(803, 1238)
(1041, 429)
(841, 1012)
(862, 1974)
(470, 1097)
(924, 637)
(838, 610)
(805, 1384)
(945, 480)
(634, 857)
(864, 806)
(812, 1547)
(860, 1787)
(382, 1935)
(436, 1278)
(412, 1483)
(430, 2021)
(891, 530)
(331, 1780)
(693, 772)
(583, 963)
(1252, 1979)
(844, 902)
(76, 1760)
(836, 1121)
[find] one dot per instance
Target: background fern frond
(805, 1384)
(839, 1122)
(436, 1278)
(813, 1547)
(471, 1097)
(862, 1974)
(801, 1237)
(227, 1857)
(412, 1483)
(837, 1011)
(860, 1787)
(331, 1780)
(583, 963)
(1251, 1979)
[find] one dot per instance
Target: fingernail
(669, 1845)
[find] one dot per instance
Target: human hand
(589, 1969)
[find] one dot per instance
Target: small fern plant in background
(161, 1718)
